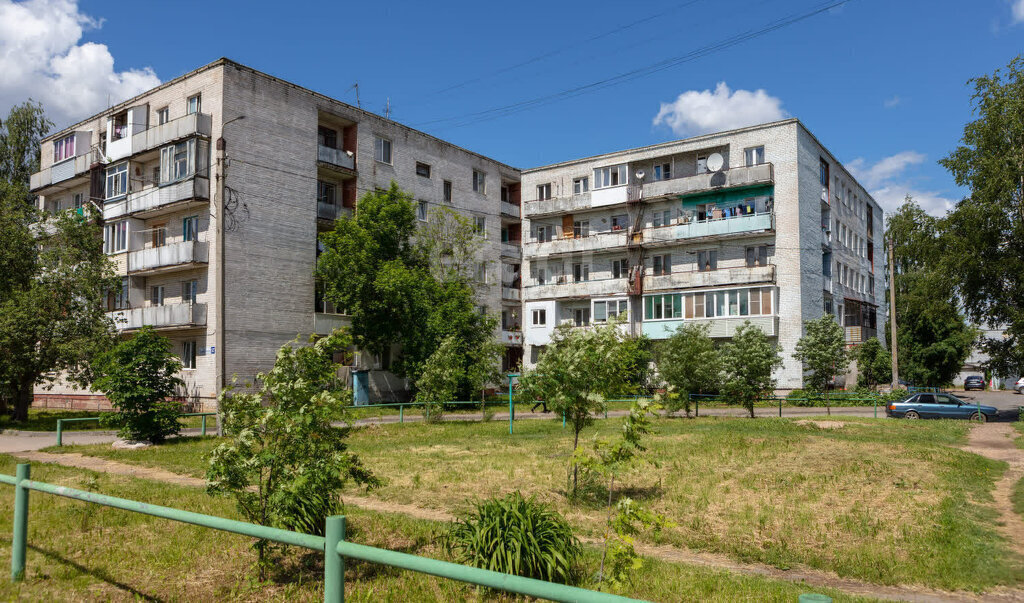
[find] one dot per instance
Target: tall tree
(20, 135)
(747, 364)
(933, 337)
(689, 364)
(984, 233)
(874, 363)
(822, 350)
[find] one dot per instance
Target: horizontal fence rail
(334, 546)
(61, 422)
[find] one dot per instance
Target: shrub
(517, 536)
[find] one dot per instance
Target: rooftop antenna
(387, 109)
(356, 86)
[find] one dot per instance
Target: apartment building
(760, 223)
(213, 188)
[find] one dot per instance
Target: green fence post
(204, 426)
(334, 564)
(780, 407)
(20, 535)
(60, 432)
(606, 409)
(696, 407)
(401, 413)
(563, 420)
(875, 398)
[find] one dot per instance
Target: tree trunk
(23, 398)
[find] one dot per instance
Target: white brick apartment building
(760, 223)
(213, 188)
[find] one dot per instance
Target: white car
(1019, 386)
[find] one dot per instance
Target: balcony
(557, 205)
(331, 211)
(721, 228)
(510, 294)
(193, 124)
(335, 157)
(827, 283)
(855, 335)
(156, 200)
(595, 242)
(325, 324)
(68, 172)
(711, 278)
(512, 249)
(582, 289)
(175, 256)
(688, 185)
(512, 337)
(718, 327)
(826, 238)
(510, 209)
(170, 316)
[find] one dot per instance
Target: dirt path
(810, 577)
(996, 441)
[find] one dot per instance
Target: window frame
(198, 98)
(750, 156)
(604, 178)
(446, 191)
(539, 317)
(64, 148)
(544, 192)
(115, 173)
(421, 210)
(163, 115)
(581, 185)
(423, 169)
(115, 237)
(189, 353)
(479, 182)
(383, 150)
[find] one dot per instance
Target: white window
(620, 268)
(581, 185)
(194, 105)
(189, 291)
(382, 150)
(480, 225)
(117, 299)
(754, 155)
(540, 317)
(581, 228)
(64, 148)
(479, 182)
(421, 211)
(663, 171)
(607, 309)
(423, 169)
(610, 176)
(117, 180)
(115, 237)
(162, 116)
(156, 295)
(544, 192)
(181, 160)
(188, 355)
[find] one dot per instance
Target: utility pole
(892, 317)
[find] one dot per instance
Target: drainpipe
(219, 326)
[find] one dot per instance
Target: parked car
(938, 406)
(1019, 386)
(974, 382)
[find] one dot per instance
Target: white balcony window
(614, 175)
(544, 192)
(540, 317)
(190, 228)
(163, 116)
(156, 295)
(180, 161)
(754, 155)
(115, 237)
(117, 180)
(64, 148)
(189, 291)
(581, 185)
(194, 104)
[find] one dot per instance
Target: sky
(882, 83)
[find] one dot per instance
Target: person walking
(541, 403)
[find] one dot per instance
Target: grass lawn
(87, 552)
(45, 419)
(891, 502)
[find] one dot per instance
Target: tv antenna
(356, 86)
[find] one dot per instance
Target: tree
(139, 377)
(822, 350)
(285, 462)
(689, 363)
(574, 374)
(747, 364)
(874, 363)
(983, 236)
(439, 382)
(20, 135)
(933, 337)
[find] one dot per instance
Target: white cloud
(703, 111)
(41, 58)
(892, 102)
(887, 182)
(1017, 10)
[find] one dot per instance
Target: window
(580, 273)
(326, 192)
(64, 148)
(610, 176)
(117, 180)
(663, 171)
(158, 234)
(327, 137)
(423, 169)
(421, 211)
(540, 317)
(481, 276)
(194, 104)
(823, 174)
(188, 355)
(544, 192)
(180, 161)
(505, 195)
(581, 317)
(702, 164)
(544, 233)
(189, 291)
(535, 353)
(115, 237)
(542, 276)
(620, 268)
(163, 116)
(447, 191)
(620, 222)
(156, 295)
(608, 309)
(479, 182)
(757, 256)
(480, 225)
(659, 307)
(382, 149)
(754, 155)
(707, 260)
(661, 218)
(117, 299)
(662, 264)
(78, 200)
(581, 185)
(828, 305)
(581, 228)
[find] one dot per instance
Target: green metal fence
(61, 422)
(334, 546)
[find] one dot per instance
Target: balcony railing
(512, 337)
(176, 129)
(711, 228)
(184, 253)
(512, 249)
(155, 198)
(170, 316)
(711, 278)
(65, 170)
(510, 293)
(330, 211)
(826, 237)
(557, 205)
(856, 335)
(335, 157)
(594, 242)
(717, 327)
(569, 288)
(510, 209)
(685, 185)
(324, 324)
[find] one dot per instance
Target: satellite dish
(715, 162)
(640, 175)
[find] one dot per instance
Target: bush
(517, 536)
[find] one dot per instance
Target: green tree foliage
(284, 461)
(517, 536)
(410, 289)
(439, 382)
(874, 363)
(689, 363)
(822, 350)
(747, 364)
(20, 135)
(983, 240)
(932, 334)
(139, 377)
(575, 373)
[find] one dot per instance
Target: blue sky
(881, 83)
